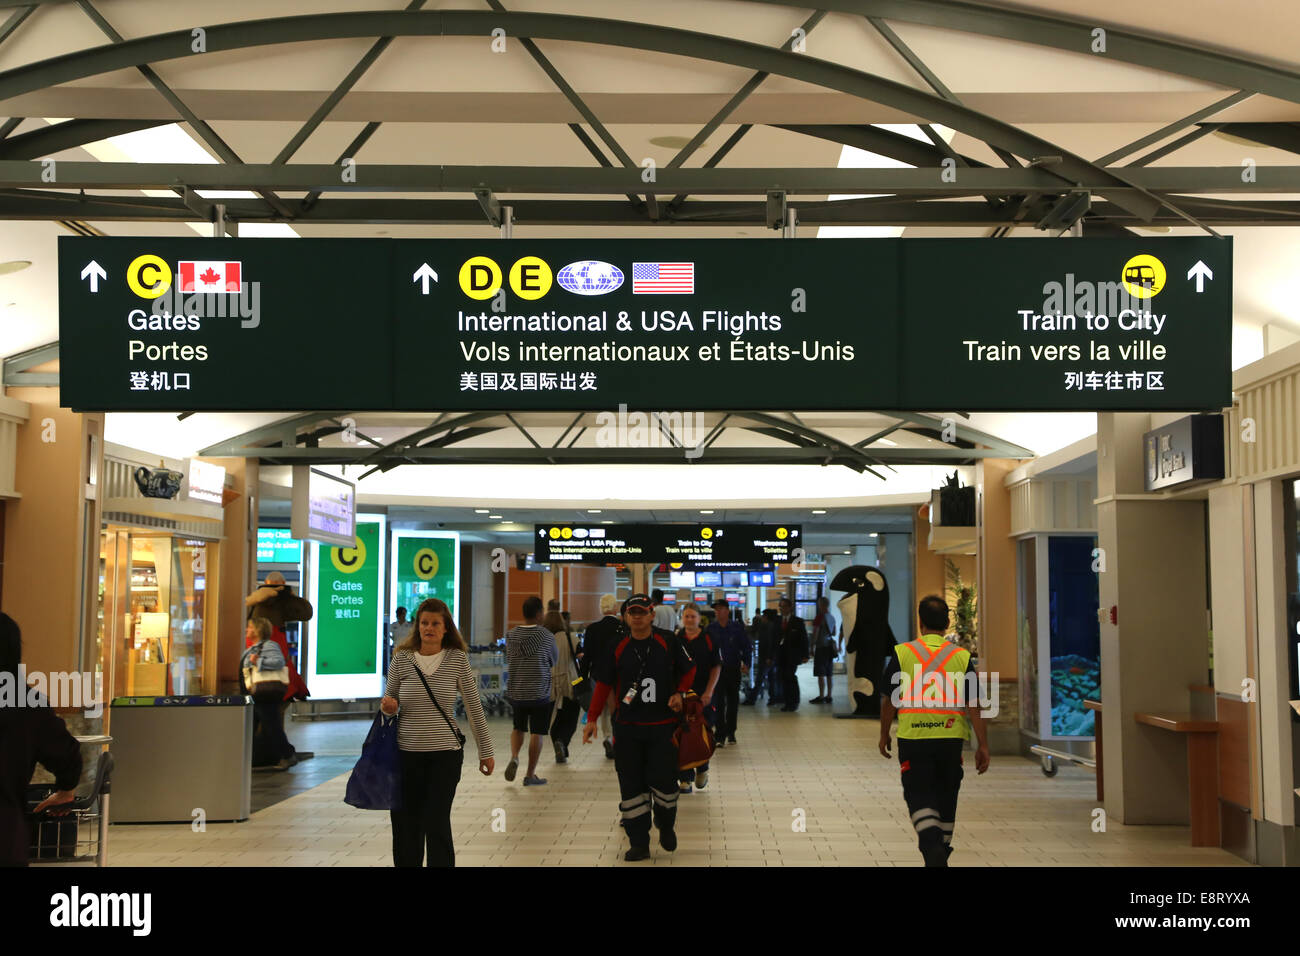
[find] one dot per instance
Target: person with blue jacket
(736, 650)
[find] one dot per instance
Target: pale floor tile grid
(849, 796)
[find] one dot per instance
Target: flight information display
(739, 545)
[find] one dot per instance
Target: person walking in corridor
(563, 674)
(428, 669)
(793, 651)
(646, 672)
(599, 639)
(531, 653)
(708, 669)
(933, 725)
(735, 649)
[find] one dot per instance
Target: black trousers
(429, 780)
(270, 745)
(790, 684)
(727, 700)
(646, 762)
(932, 776)
(566, 721)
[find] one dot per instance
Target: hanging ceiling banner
(595, 324)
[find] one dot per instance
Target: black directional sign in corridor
(577, 324)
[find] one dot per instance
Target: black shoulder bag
(420, 674)
(583, 687)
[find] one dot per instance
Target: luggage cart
(78, 833)
(490, 667)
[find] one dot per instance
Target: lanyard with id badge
(644, 660)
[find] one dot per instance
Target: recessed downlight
(819, 511)
(14, 265)
(706, 511)
(495, 517)
(481, 511)
(593, 511)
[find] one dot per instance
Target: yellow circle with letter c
(148, 276)
(426, 564)
(349, 560)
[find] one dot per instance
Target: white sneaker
(701, 779)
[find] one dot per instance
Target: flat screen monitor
(708, 579)
(734, 598)
(324, 508)
(670, 599)
(702, 598)
(762, 579)
(735, 579)
(277, 546)
(681, 579)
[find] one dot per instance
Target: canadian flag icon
(208, 276)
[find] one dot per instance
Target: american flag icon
(663, 277)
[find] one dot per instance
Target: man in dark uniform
(792, 653)
(600, 639)
(646, 673)
(735, 648)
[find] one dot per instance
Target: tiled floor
(788, 768)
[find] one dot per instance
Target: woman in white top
(427, 671)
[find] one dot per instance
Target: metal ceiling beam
(1278, 135)
(206, 132)
(600, 158)
(283, 432)
(1172, 147)
(829, 446)
(569, 455)
(15, 20)
(68, 135)
(889, 211)
(586, 180)
(639, 36)
(1179, 58)
(327, 105)
(14, 371)
(9, 125)
(1152, 138)
(349, 152)
(884, 142)
(995, 446)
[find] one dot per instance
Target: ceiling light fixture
(14, 265)
(705, 512)
(593, 511)
(872, 535)
(494, 517)
(819, 511)
(672, 142)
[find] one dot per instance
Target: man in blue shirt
(736, 649)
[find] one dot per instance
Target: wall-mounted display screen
(708, 579)
(735, 579)
(744, 545)
(278, 546)
(762, 579)
(681, 579)
(324, 507)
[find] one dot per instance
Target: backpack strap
(618, 651)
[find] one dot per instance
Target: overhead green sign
(424, 566)
(700, 324)
(277, 546)
(349, 605)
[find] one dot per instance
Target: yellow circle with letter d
(349, 560)
(480, 277)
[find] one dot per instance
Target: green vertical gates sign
(424, 566)
(348, 605)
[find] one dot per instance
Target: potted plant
(962, 600)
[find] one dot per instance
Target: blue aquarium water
(1074, 679)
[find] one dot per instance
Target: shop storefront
(159, 558)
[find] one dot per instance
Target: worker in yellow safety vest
(931, 685)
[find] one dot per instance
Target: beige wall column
(996, 578)
(236, 571)
(1155, 577)
(47, 530)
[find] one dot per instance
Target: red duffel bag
(693, 736)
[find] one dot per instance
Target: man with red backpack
(646, 673)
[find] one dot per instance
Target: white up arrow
(95, 272)
(1202, 272)
(423, 275)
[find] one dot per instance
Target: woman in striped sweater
(431, 744)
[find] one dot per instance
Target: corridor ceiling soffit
(288, 30)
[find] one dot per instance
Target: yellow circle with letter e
(782, 533)
(1144, 276)
(480, 277)
(148, 276)
(566, 533)
(349, 560)
(530, 278)
(706, 533)
(426, 564)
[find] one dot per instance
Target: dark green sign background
(425, 568)
(870, 324)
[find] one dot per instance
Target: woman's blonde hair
(262, 626)
(450, 636)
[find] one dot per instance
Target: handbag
(254, 675)
(582, 687)
(376, 781)
(693, 737)
(454, 729)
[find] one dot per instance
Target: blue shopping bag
(376, 781)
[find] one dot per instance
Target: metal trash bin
(176, 755)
